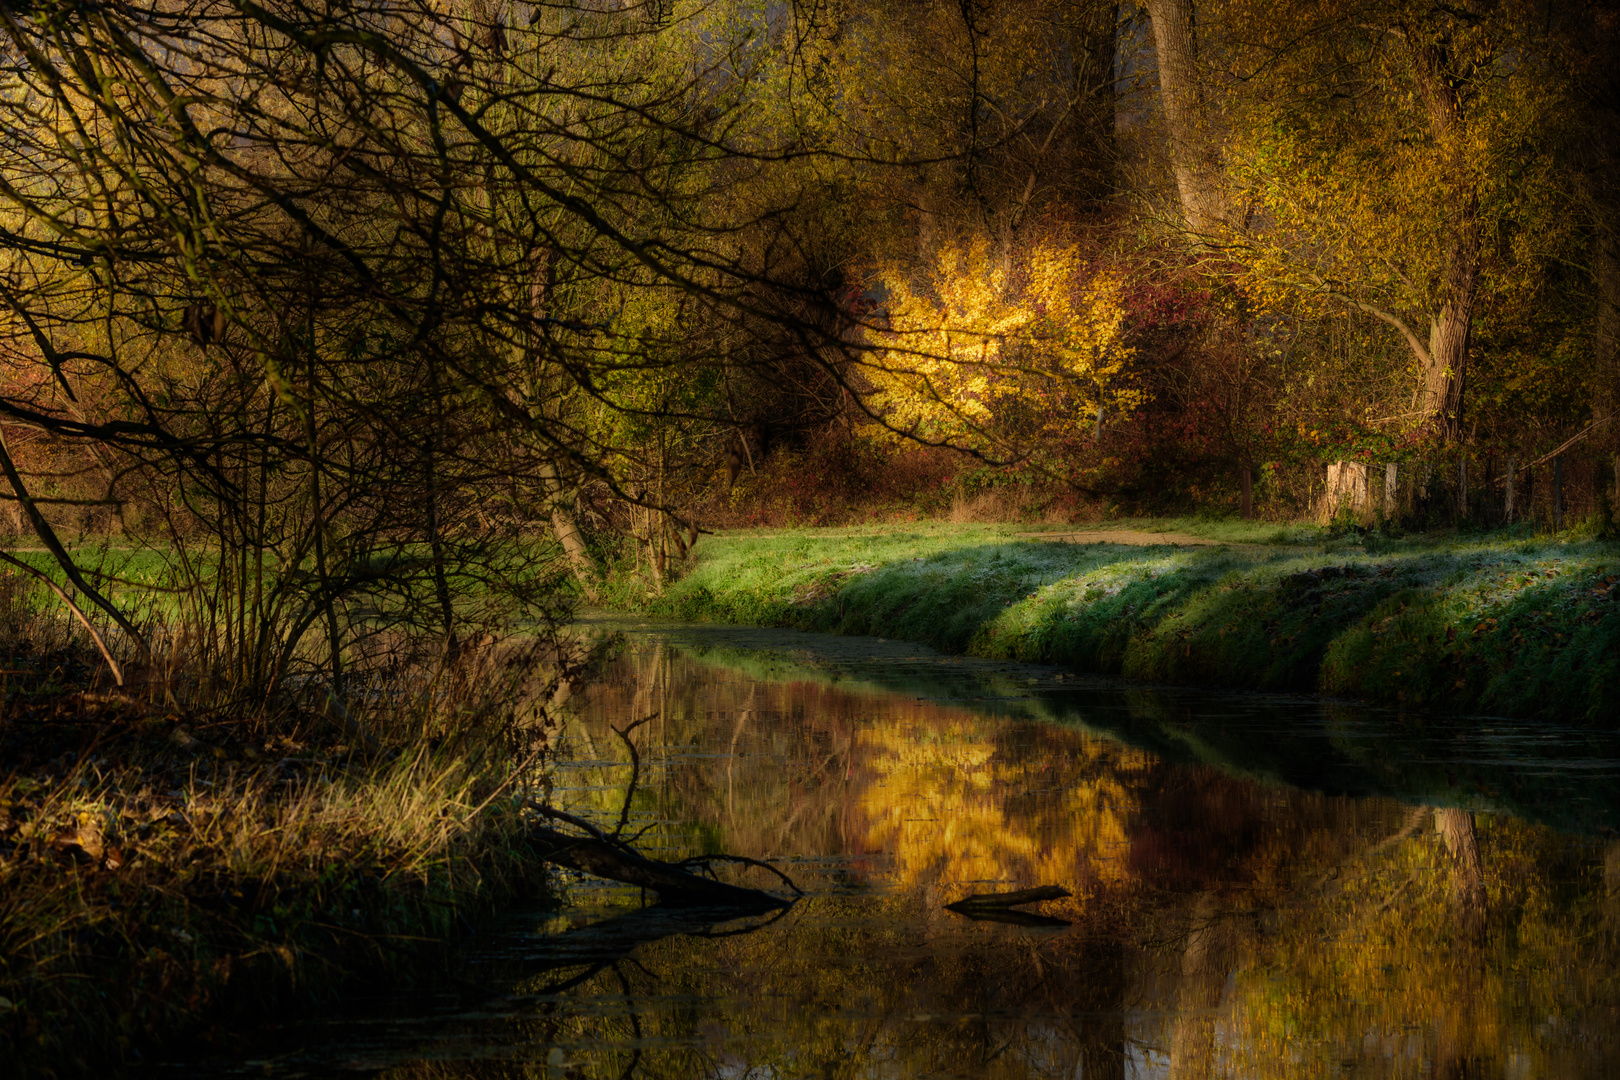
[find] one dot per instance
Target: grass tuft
(163, 869)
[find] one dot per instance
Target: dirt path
(1131, 537)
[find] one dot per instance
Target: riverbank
(1507, 624)
(166, 869)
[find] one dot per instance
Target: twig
(740, 860)
(635, 771)
(117, 674)
(1565, 445)
(577, 822)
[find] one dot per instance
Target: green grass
(1507, 624)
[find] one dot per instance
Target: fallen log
(986, 902)
(602, 855)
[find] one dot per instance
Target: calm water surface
(1262, 886)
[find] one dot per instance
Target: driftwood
(1000, 901)
(999, 907)
(602, 854)
(675, 883)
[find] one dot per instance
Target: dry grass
(161, 868)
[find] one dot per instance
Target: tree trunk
(674, 884)
(1558, 493)
(1192, 153)
(1204, 966)
(1611, 877)
(1445, 369)
(1246, 475)
(568, 532)
(1507, 498)
(1456, 828)
(1606, 338)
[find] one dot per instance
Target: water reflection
(1220, 925)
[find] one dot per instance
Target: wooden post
(1507, 499)
(1248, 493)
(1462, 485)
(1391, 475)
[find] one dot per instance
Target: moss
(1503, 624)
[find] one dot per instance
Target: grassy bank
(165, 867)
(1508, 624)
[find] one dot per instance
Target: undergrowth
(165, 868)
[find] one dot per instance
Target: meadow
(1507, 623)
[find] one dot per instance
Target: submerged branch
(600, 855)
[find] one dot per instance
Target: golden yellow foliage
(989, 347)
(941, 806)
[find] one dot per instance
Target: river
(1261, 886)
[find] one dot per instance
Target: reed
(168, 860)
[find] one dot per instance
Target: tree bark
(1192, 152)
(1445, 368)
(1611, 876)
(1558, 494)
(568, 532)
(1445, 371)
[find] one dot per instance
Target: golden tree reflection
(1221, 927)
(959, 806)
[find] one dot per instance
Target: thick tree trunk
(1192, 149)
(1611, 876)
(1446, 366)
(1456, 828)
(1445, 371)
(1558, 494)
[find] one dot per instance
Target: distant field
(1505, 623)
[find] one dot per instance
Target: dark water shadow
(1560, 775)
(506, 975)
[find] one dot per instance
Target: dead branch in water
(601, 855)
(1001, 907)
(1001, 901)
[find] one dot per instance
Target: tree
(1397, 160)
(1191, 142)
(311, 265)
